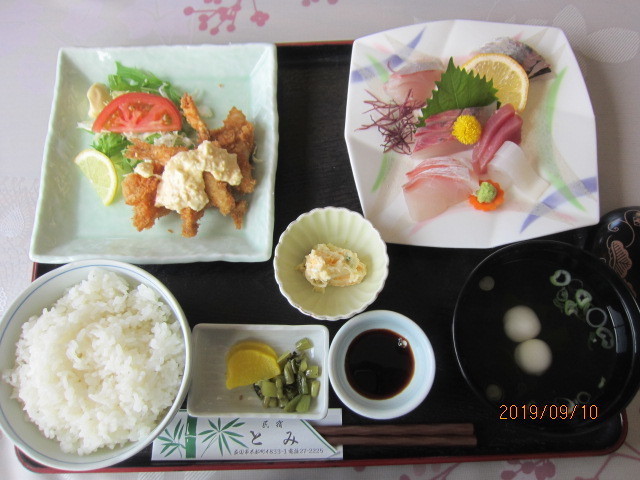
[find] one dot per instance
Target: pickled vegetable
(293, 389)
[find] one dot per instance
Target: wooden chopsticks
(430, 435)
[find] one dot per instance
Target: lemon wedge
(246, 366)
(100, 171)
(508, 77)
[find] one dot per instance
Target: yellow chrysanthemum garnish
(467, 129)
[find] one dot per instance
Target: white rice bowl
(100, 368)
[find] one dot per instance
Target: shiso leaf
(458, 89)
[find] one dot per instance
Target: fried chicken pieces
(236, 136)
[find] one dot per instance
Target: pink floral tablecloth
(605, 36)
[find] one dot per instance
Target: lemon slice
(508, 77)
(246, 366)
(99, 169)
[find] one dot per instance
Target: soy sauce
(379, 364)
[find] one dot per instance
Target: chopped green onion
(560, 278)
(570, 307)
(583, 298)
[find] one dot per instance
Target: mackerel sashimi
(532, 62)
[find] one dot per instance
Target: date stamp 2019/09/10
(548, 412)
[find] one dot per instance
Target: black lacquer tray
(423, 284)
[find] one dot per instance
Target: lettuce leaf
(113, 146)
(129, 79)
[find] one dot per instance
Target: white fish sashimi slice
(419, 63)
(511, 169)
(436, 145)
(431, 195)
(454, 167)
(437, 184)
(452, 173)
(414, 88)
(438, 163)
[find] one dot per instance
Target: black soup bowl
(547, 335)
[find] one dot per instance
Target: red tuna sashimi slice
(433, 194)
(504, 125)
(414, 88)
(511, 131)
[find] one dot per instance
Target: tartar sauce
(182, 183)
(328, 265)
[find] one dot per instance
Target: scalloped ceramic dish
(72, 224)
(43, 293)
(558, 136)
(343, 228)
(209, 396)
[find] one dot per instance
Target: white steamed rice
(100, 366)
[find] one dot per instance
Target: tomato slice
(138, 112)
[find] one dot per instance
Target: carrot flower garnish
(488, 197)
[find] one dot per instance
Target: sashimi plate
(558, 139)
(71, 222)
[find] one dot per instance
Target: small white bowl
(41, 294)
(209, 396)
(343, 228)
(424, 365)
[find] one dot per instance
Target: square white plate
(72, 224)
(208, 395)
(558, 134)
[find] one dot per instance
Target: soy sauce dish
(547, 335)
(381, 364)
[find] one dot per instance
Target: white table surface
(605, 36)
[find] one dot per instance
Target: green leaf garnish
(129, 79)
(110, 143)
(458, 89)
(113, 146)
